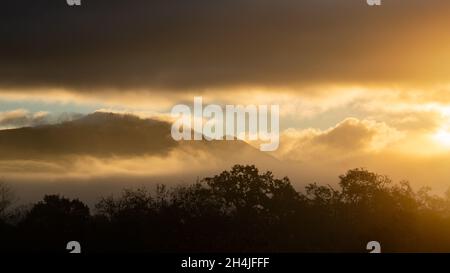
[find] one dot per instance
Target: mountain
(107, 134)
(102, 153)
(99, 134)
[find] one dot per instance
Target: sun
(443, 137)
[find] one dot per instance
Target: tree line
(238, 210)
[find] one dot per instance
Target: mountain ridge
(104, 134)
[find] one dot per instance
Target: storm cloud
(197, 44)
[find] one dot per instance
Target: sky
(358, 86)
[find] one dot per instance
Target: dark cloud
(182, 44)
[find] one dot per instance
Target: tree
(7, 198)
(360, 185)
(58, 214)
(131, 203)
(244, 210)
(243, 188)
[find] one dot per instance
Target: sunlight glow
(443, 137)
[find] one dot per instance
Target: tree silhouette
(6, 200)
(244, 189)
(242, 210)
(53, 221)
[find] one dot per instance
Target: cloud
(78, 169)
(105, 152)
(180, 45)
(353, 134)
(107, 143)
(348, 138)
(23, 118)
